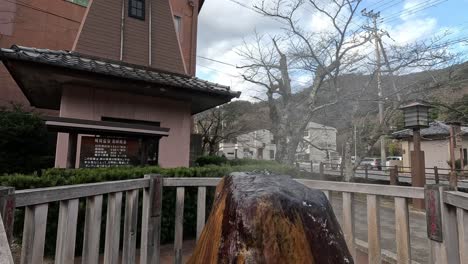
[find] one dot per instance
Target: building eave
(41, 75)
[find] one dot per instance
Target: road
(418, 230)
(403, 177)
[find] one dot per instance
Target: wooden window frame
(143, 9)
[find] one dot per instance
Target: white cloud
(223, 28)
(412, 30)
(409, 8)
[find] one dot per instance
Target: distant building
(435, 144)
(320, 143)
(257, 145)
(260, 145)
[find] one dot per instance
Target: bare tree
(412, 72)
(322, 56)
(224, 123)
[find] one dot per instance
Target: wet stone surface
(270, 219)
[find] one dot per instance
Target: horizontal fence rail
(67, 192)
(372, 189)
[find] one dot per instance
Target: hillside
(358, 94)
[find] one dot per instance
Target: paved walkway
(419, 242)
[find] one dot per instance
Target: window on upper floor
(178, 25)
(136, 9)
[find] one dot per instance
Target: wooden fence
(453, 205)
(434, 174)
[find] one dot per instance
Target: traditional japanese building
(126, 91)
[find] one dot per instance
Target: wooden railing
(454, 248)
(36, 204)
(373, 192)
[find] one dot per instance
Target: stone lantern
(416, 116)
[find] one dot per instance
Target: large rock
(270, 219)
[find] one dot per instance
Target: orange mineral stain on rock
(270, 219)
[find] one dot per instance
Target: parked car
(371, 163)
(394, 161)
(335, 160)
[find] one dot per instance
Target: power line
(377, 3)
(40, 10)
(209, 68)
(412, 11)
(218, 61)
(388, 5)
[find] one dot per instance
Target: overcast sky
(225, 24)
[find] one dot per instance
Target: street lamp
(236, 147)
(416, 116)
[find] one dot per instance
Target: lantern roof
(415, 104)
(436, 129)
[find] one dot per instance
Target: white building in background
(257, 144)
(260, 145)
(319, 144)
(435, 143)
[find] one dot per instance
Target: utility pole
(374, 29)
(390, 71)
(355, 143)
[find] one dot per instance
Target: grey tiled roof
(435, 129)
(77, 61)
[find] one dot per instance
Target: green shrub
(458, 166)
(241, 162)
(58, 177)
(25, 144)
(211, 160)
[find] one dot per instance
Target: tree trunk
(212, 148)
(349, 169)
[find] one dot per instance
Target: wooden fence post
(436, 175)
(7, 210)
(151, 221)
(373, 233)
(394, 176)
(445, 248)
(402, 230)
(321, 170)
(348, 221)
(5, 252)
(453, 180)
(201, 210)
(311, 166)
(179, 225)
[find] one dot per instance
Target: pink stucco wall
(92, 104)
